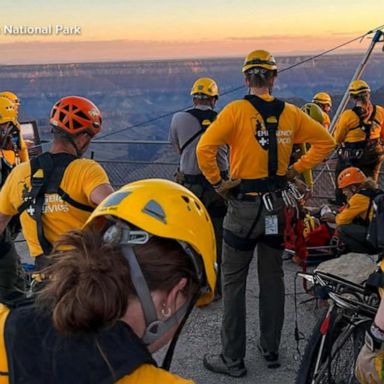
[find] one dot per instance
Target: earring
(165, 312)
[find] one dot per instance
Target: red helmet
(350, 176)
(75, 114)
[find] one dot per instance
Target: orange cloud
(123, 50)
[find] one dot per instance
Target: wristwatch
(374, 339)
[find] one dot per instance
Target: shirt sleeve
(24, 156)
(218, 134)
(94, 176)
(381, 119)
(311, 132)
(327, 120)
(7, 206)
(342, 127)
(149, 374)
(357, 205)
(173, 134)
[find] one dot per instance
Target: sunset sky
(166, 29)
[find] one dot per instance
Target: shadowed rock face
(129, 93)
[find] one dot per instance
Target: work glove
(224, 187)
(292, 174)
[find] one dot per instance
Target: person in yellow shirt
(359, 132)
(17, 151)
(121, 290)
(260, 131)
(13, 151)
(353, 220)
(58, 190)
(324, 101)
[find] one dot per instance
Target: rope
(232, 90)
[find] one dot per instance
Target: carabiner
(267, 202)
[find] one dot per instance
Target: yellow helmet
(166, 209)
(205, 86)
(314, 111)
(358, 86)
(259, 59)
(8, 112)
(322, 98)
(11, 96)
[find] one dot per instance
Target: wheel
(336, 360)
(308, 363)
(339, 367)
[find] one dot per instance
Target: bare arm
(100, 193)
(379, 319)
(4, 220)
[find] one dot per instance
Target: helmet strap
(155, 328)
(169, 355)
(213, 101)
(79, 150)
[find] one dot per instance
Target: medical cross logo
(31, 211)
(261, 135)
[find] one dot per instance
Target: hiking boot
(221, 364)
(272, 358)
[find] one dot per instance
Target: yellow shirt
(80, 178)
(4, 311)
(236, 126)
(345, 132)
(326, 120)
(149, 374)
(357, 207)
(10, 155)
(145, 374)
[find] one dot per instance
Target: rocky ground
(202, 335)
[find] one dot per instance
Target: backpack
(376, 227)
(47, 172)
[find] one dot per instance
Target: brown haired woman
(119, 291)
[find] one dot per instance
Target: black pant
(12, 283)
(354, 236)
(217, 209)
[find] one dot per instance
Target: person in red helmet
(354, 219)
(57, 191)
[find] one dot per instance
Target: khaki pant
(244, 231)
(370, 366)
